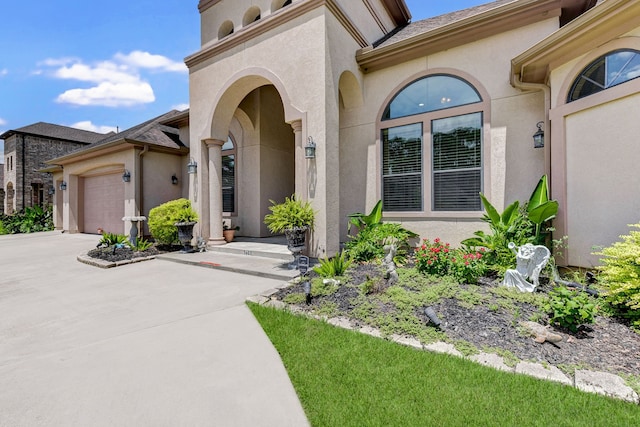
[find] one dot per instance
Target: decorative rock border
(86, 259)
(594, 382)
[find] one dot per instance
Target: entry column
(214, 147)
(300, 165)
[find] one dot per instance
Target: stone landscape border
(86, 259)
(603, 383)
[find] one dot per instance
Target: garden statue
(390, 249)
(530, 260)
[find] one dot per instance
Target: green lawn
(345, 378)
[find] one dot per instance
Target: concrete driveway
(148, 344)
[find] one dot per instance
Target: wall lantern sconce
(310, 149)
(63, 185)
(538, 137)
(126, 176)
(192, 166)
(174, 179)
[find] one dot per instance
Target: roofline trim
(485, 24)
(568, 42)
(270, 22)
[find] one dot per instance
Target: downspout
(141, 186)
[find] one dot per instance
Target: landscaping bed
(482, 317)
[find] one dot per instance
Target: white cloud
(102, 72)
(139, 59)
(4, 72)
(118, 82)
(3, 122)
(110, 95)
(180, 107)
(87, 125)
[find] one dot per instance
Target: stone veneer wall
(29, 155)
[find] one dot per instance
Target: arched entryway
(266, 134)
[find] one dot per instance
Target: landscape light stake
(433, 317)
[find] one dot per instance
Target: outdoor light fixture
(538, 137)
(310, 149)
(432, 316)
(307, 291)
(126, 176)
(63, 185)
(174, 179)
(192, 166)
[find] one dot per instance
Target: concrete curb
(603, 383)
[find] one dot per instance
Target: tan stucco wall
(595, 158)
(512, 164)
(299, 61)
(157, 170)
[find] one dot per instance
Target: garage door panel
(103, 203)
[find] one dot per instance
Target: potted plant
(185, 218)
(228, 232)
(293, 217)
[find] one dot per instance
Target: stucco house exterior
(422, 115)
(26, 151)
(123, 175)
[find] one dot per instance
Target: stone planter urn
(185, 235)
(296, 242)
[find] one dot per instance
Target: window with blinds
(402, 168)
(432, 152)
(457, 163)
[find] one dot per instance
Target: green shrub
(162, 219)
(570, 308)
(29, 220)
(333, 267)
(110, 239)
(368, 244)
(290, 214)
(140, 246)
(620, 276)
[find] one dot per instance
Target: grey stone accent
(607, 384)
(491, 360)
(546, 373)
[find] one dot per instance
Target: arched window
(229, 177)
(607, 71)
(279, 4)
(252, 15)
(447, 111)
(225, 29)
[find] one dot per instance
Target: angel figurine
(530, 260)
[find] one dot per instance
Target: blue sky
(105, 65)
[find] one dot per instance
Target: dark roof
(425, 25)
(49, 130)
(151, 132)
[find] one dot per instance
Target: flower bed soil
(607, 345)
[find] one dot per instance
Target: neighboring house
(123, 175)
(25, 151)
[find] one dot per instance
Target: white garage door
(104, 203)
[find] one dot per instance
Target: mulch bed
(607, 345)
(116, 254)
